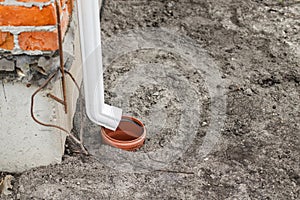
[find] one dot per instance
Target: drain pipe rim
(128, 145)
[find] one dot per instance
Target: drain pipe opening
(130, 134)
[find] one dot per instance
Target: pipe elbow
(108, 116)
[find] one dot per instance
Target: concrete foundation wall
(24, 144)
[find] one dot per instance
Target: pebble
(248, 92)
(21, 189)
(204, 124)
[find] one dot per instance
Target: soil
(217, 84)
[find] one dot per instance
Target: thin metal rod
(52, 125)
(55, 98)
(61, 57)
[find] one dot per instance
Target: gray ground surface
(222, 117)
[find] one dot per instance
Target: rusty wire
(64, 101)
(61, 56)
(79, 142)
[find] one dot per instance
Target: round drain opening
(130, 134)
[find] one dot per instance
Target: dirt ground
(217, 83)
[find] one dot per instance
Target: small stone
(170, 4)
(204, 124)
(21, 188)
(248, 92)
(7, 65)
(24, 62)
(48, 64)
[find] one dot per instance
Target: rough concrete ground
(254, 45)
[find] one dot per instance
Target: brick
(65, 21)
(27, 16)
(6, 40)
(43, 1)
(33, 16)
(66, 14)
(70, 4)
(42, 40)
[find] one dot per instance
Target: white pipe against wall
(90, 39)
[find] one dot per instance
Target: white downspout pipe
(90, 39)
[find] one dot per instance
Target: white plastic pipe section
(90, 39)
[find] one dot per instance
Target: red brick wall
(29, 26)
